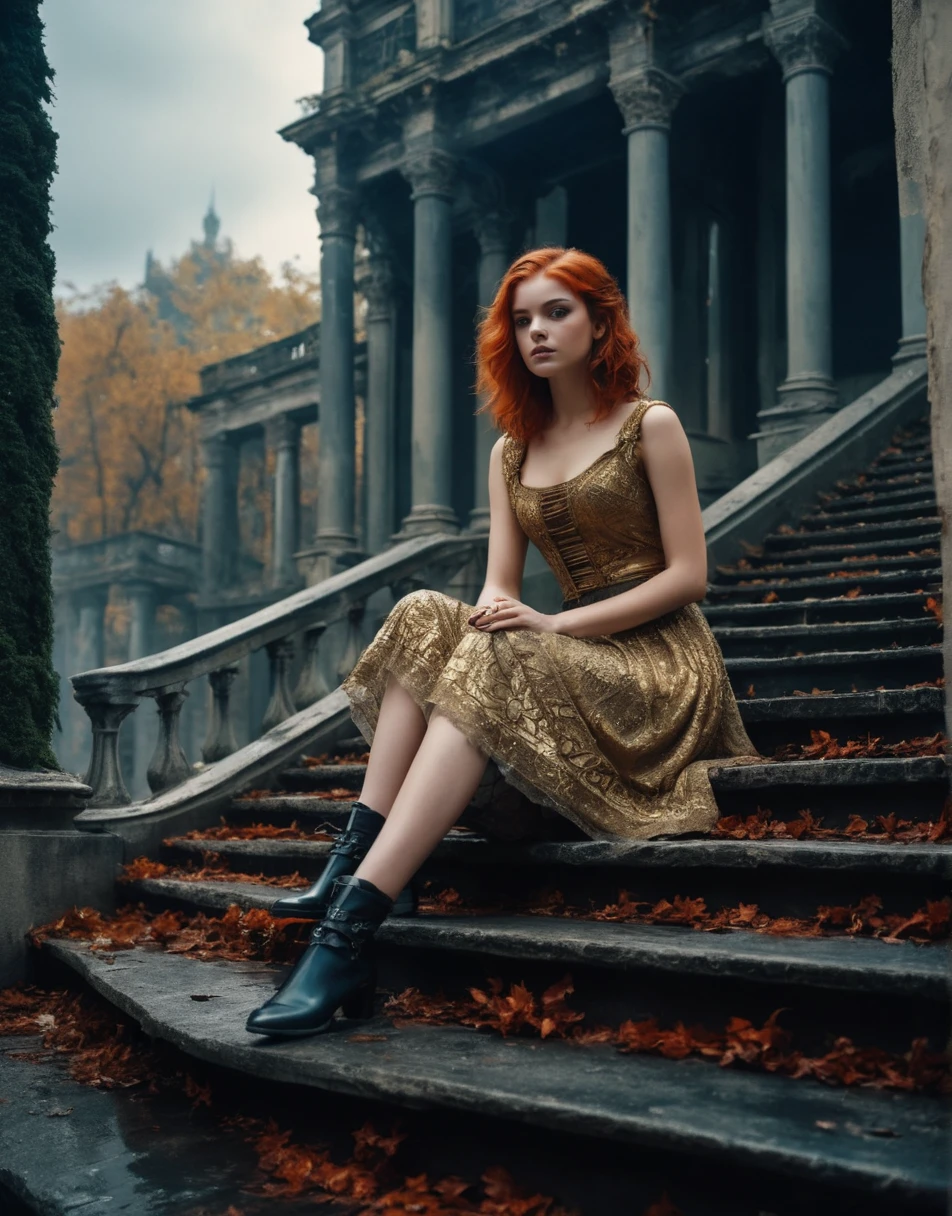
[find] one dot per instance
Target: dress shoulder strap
(631, 427)
(513, 450)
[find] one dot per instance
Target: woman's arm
(669, 465)
(508, 543)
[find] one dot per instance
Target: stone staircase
(826, 627)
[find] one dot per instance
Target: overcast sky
(156, 101)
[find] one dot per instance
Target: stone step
(917, 472)
(891, 715)
(842, 555)
(775, 641)
(887, 582)
(324, 777)
(905, 969)
(834, 670)
(835, 515)
(900, 605)
(851, 1138)
(883, 530)
(817, 565)
(783, 877)
(897, 489)
(67, 1148)
(283, 808)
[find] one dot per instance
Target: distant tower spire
(211, 223)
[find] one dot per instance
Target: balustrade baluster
(353, 645)
(169, 765)
(281, 705)
(311, 685)
(104, 774)
(220, 740)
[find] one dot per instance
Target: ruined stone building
(733, 165)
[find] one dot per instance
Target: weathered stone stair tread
(68, 1148)
(854, 964)
(827, 632)
(881, 528)
(906, 604)
(832, 658)
(820, 566)
(758, 1119)
(924, 504)
(331, 775)
(845, 855)
(858, 549)
(873, 770)
(925, 578)
(874, 703)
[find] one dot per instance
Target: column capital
(646, 98)
(281, 431)
(492, 229)
(377, 284)
(431, 171)
(337, 210)
(215, 448)
(802, 41)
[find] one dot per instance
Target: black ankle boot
(335, 970)
(350, 848)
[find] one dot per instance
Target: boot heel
(407, 901)
(360, 1006)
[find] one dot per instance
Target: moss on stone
(29, 355)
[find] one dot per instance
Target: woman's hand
(507, 613)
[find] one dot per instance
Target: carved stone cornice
(804, 42)
(337, 210)
(647, 98)
(431, 171)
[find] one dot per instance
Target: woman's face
(547, 314)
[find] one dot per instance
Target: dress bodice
(599, 527)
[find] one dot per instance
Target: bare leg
(399, 732)
(440, 782)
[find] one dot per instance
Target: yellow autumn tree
(130, 361)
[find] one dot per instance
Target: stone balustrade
(110, 694)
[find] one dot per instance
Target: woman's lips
(542, 354)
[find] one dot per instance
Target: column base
(805, 402)
(326, 557)
(913, 347)
(478, 520)
(425, 519)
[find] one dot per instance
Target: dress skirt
(615, 732)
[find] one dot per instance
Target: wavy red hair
(521, 403)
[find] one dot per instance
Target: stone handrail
(109, 694)
(786, 486)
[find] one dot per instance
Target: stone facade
(732, 163)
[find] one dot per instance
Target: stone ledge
(757, 1119)
(883, 857)
(839, 963)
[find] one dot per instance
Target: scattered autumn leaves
(863, 919)
(106, 1052)
(761, 825)
(740, 1042)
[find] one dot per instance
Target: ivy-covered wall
(29, 353)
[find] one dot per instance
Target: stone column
(335, 541)
(806, 45)
(283, 436)
(908, 84)
(143, 601)
(647, 98)
(88, 653)
(432, 176)
(379, 421)
(219, 513)
(492, 232)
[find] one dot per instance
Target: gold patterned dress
(615, 732)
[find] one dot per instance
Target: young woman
(610, 711)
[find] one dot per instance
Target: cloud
(156, 101)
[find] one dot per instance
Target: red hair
(521, 403)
